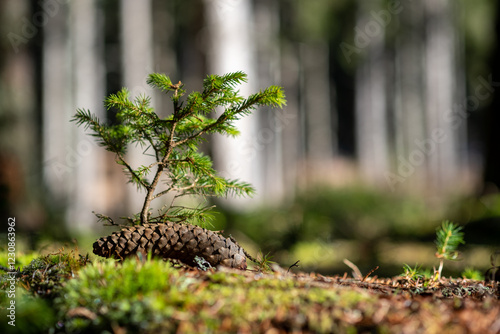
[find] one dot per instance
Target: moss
(32, 314)
(22, 259)
(45, 275)
(154, 296)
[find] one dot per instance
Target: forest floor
(402, 305)
(386, 305)
(70, 293)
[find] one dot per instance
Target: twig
(191, 186)
(369, 273)
(296, 264)
(131, 171)
(102, 217)
(356, 272)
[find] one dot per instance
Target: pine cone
(178, 241)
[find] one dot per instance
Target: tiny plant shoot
(180, 169)
(448, 237)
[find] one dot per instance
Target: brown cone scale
(169, 240)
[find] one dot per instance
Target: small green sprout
(448, 237)
(264, 262)
(412, 273)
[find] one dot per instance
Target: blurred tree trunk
(137, 63)
(320, 138)
(289, 121)
(371, 99)
(441, 83)
(164, 29)
(57, 106)
(409, 96)
(19, 114)
(429, 146)
(73, 77)
(88, 88)
(231, 48)
(273, 123)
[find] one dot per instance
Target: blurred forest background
(391, 125)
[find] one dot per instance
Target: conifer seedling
(180, 169)
(448, 237)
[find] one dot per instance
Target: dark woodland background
(392, 122)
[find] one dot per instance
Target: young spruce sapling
(174, 141)
(448, 237)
